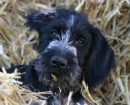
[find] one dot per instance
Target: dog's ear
(40, 18)
(100, 61)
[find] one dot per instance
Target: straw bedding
(17, 47)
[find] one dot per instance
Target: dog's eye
(54, 34)
(80, 41)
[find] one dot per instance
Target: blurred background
(112, 17)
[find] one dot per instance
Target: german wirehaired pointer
(70, 50)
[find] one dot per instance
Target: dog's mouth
(50, 77)
(66, 79)
(56, 81)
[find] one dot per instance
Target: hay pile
(12, 93)
(16, 45)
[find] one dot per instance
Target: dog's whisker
(60, 90)
(72, 76)
(69, 43)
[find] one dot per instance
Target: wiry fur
(81, 50)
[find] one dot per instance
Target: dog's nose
(58, 61)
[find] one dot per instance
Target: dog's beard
(64, 81)
(68, 79)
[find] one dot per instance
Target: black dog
(70, 50)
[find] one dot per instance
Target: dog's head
(70, 49)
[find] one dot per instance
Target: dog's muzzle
(58, 66)
(62, 52)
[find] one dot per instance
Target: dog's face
(69, 47)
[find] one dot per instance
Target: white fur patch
(65, 37)
(70, 21)
(63, 46)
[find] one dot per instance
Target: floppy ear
(40, 18)
(100, 61)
